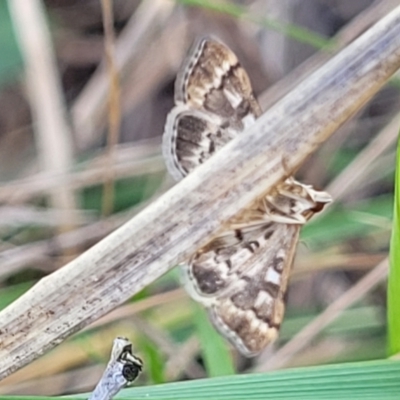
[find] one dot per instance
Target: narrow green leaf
(394, 274)
(153, 360)
(368, 380)
(216, 356)
(295, 32)
(362, 380)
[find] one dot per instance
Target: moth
(241, 276)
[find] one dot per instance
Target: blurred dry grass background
(57, 153)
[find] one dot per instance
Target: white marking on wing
(264, 328)
(262, 298)
(273, 276)
(281, 253)
(233, 98)
(255, 324)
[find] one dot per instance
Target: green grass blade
(216, 356)
(153, 360)
(295, 32)
(363, 380)
(394, 273)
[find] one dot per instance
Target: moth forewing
(213, 94)
(191, 137)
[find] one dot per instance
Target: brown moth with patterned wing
(241, 276)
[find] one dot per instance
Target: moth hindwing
(241, 276)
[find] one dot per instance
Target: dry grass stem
(344, 37)
(339, 261)
(14, 259)
(114, 104)
(127, 311)
(128, 163)
(53, 384)
(90, 107)
(53, 136)
(27, 215)
(347, 180)
(142, 81)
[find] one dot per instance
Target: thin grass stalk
(53, 136)
(114, 104)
